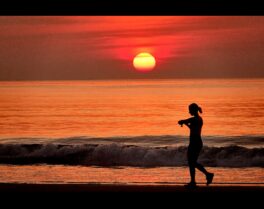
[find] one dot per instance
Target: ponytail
(195, 108)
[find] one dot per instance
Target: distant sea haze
(54, 109)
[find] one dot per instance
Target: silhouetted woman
(195, 124)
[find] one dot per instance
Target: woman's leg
(191, 163)
(192, 173)
(209, 176)
(201, 168)
(195, 152)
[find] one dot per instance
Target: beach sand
(13, 187)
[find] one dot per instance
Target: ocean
(126, 131)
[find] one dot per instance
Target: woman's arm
(186, 122)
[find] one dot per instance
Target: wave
(117, 154)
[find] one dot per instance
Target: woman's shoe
(209, 178)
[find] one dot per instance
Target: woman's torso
(195, 131)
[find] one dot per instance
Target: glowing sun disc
(144, 62)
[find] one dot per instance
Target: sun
(144, 62)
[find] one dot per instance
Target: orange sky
(103, 47)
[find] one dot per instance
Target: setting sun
(144, 62)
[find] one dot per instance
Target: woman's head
(194, 109)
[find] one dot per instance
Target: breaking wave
(117, 154)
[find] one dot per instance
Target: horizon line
(116, 79)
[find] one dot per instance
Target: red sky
(103, 47)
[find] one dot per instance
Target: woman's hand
(180, 122)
